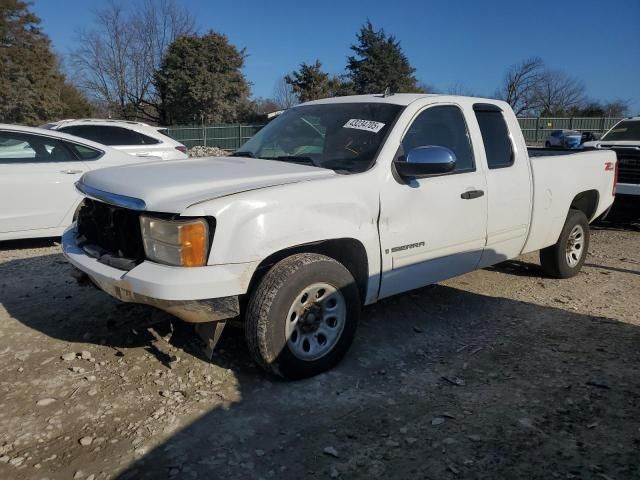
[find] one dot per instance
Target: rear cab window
(495, 135)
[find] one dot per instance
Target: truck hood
(172, 186)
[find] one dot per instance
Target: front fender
(252, 226)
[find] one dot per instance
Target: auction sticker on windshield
(367, 125)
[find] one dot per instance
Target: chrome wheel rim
(315, 321)
(575, 246)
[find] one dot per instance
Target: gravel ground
(501, 373)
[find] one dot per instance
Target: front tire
(302, 316)
(565, 258)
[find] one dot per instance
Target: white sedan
(38, 170)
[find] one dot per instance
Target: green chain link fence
(232, 136)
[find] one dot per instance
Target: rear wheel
(565, 258)
(302, 316)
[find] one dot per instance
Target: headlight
(175, 242)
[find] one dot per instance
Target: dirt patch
(501, 373)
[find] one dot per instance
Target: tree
(459, 88)
(520, 85)
(556, 93)
(311, 83)
(74, 103)
(378, 63)
(283, 95)
(200, 79)
(118, 58)
(424, 87)
(32, 87)
(594, 108)
(532, 89)
(617, 108)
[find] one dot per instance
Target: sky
(466, 45)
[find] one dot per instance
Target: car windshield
(572, 133)
(340, 136)
(625, 130)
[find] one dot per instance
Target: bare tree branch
(556, 93)
(520, 84)
(118, 58)
(283, 95)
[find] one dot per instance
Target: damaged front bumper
(193, 294)
(192, 311)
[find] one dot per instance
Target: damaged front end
(106, 245)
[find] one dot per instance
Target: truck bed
(557, 182)
(535, 152)
(628, 159)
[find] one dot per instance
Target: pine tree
(378, 63)
(311, 83)
(200, 79)
(32, 87)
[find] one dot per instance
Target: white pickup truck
(335, 204)
(624, 139)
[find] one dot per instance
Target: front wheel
(302, 316)
(565, 258)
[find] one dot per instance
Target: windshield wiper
(243, 154)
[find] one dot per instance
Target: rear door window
(108, 135)
(90, 132)
(495, 136)
(84, 152)
(26, 148)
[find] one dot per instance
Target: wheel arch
(586, 202)
(348, 251)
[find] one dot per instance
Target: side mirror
(426, 162)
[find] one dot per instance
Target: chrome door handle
(472, 194)
(71, 172)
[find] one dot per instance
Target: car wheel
(302, 316)
(547, 145)
(565, 258)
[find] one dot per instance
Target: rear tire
(302, 316)
(565, 258)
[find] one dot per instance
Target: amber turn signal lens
(180, 242)
(193, 243)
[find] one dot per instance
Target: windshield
(340, 136)
(625, 130)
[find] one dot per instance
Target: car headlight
(181, 243)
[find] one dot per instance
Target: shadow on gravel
(41, 293)
(440, 383)
(613, 269)
(517, 267)
(29, 243)
(625, 215)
